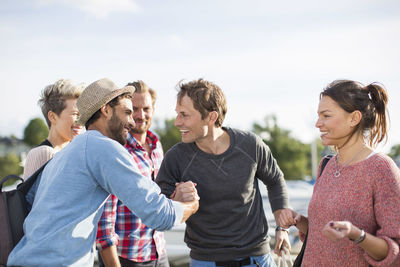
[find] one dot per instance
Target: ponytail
(379, 99)
(370, 100)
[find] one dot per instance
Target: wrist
(280, 228)
(301, 222)
(354, 232)
(360, 238)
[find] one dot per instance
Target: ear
(212, 117)
(355, 118)
(52, 116)
(106, 111)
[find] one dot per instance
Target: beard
(116, 128)
(141, 129)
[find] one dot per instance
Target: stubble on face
(120, 125)
(143, 128)
(143, 112)
(116, 128)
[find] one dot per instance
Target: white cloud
(176, 41)
(97, 8)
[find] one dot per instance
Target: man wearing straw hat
(61, 228)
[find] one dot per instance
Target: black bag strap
(8, 177)
(25, 186)
(324, 162)
(299, 258)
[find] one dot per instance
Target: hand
(282, 240)
(300, 222)
(336, 230)
(284, 217)
(297, 217)
(190, 208)
(185, 192)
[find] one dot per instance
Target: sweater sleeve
(36, 158)
(116, 172)
(269, 172)
(387, 212)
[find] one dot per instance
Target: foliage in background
(35, 132)
(168, 134)
(10, 164)
(293, 157)
(395, 152)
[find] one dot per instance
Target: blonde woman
(58, 104)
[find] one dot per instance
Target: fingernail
(331, 223)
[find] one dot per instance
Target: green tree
(395, 151)
(292, 155)
(35, 132)
(168, 134)
(10, 164)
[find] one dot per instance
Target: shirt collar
(151, 139)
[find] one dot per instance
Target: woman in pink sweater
(354, 213)
(58, 104)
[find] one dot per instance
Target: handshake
(186, 194)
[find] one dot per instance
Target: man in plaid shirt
(122, 238)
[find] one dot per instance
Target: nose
(140, 113)
(131, 122)
(318, 123)
(177, 121)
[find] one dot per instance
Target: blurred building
(13, 145)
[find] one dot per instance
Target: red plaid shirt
(119, 226)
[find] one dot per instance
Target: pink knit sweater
(367, 194)
(36, 158)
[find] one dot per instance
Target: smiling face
(188, 121)
(334, 123)
(64, 124)
(142, 112)
(121, 121)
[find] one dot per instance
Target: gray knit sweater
(230, 222)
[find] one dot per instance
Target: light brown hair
(206, 97)
(141, 87)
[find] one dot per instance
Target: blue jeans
(263, 261)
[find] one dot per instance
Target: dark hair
(141, 87)
(370, 100)
(206, 97)
(113, 102)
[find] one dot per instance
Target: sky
(269, 57)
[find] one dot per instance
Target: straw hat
(96, 95)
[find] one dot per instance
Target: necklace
(339, 171)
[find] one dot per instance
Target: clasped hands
(185, 192)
